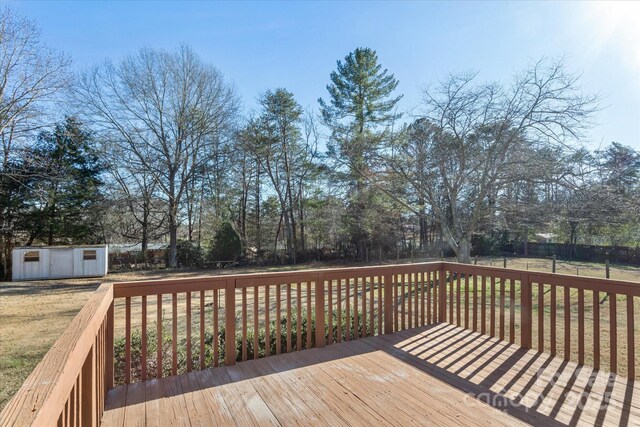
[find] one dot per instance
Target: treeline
(156, 147)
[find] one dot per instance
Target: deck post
(442, 293)
(320, 311)
(230, 322)
(526, 310)
(109, 356)
(388, 303)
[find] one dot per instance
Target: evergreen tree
(359, 111)
(67, 196)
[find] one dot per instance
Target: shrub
(167, 345)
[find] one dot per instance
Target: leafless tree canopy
(168, 109)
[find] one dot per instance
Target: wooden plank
(339, 309)
(492, 325)
(475, 303)
(127, 329)
(631, 349)
(298, 316)
(256, 323)
(143, 345)
(159, 336)
(244, 324)
(289, 327)
(267, 325)
(371, 306)
(512, 311)
(174, 334)
(552, 326)
(540, 317)
(135, 411)
(356, 318)
(202, 331)
(347, 310)
(188, 314)
(596, 330)
(581, 326)
(567, 323)
(502, 307)
(483, 306)
(309, 316)
(278, 319)
(216, 314)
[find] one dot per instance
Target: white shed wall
(60, 263)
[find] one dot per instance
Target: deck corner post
(442, 293)
(230, 322)
(526, 311)
(388, 303)
(320, 311)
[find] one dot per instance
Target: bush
(167, 345)
(189, 254)
(226, 244)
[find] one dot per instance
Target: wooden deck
(439, 374)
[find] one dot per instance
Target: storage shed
(59, 262)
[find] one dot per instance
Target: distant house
(59, 262)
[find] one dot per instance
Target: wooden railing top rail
(45, 391)
(626, 287)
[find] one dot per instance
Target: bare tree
(168, 109)
(478, 138)
(31, 75)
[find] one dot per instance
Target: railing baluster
(502, 308)
(256, 322)
(244, 325)
(127, 372)
(458, 299)
(371, 307)
(410, 283)
(596, 330)
(202, 332)
(143, 349)
(348, 310)
(492, 321)
(380, 305)
(475, 303)
(540, 317)
(567, 322)
(356, 318)
(278, 319)
(216, 356)
(396, 305)
(159, 337)
(613, 333)
(452, 279)
(581, 326)
(330, 311)
(289, 328)
(466, 301)
(309, 316)
(299, 316)
(631, 363)
(339, 308)
(512, 311)
(553, 324)
(267, 326)
(174, 341)
(188, 298)
(483, 305)
(364, 307)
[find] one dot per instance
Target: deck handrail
(69, 386)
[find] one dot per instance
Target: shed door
(61, 263)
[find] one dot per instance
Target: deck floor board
(439, 374)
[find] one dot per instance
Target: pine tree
(360, 110)
(65, 204)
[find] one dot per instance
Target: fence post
(526, 310)
(320, 311)
(607, 266)
(504, 262)
(553, 265)
(442, 294)
(388, 303)
(230, 322)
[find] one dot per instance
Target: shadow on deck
(439, 374)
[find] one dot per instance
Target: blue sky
(264, 45)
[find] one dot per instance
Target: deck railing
(134, 331)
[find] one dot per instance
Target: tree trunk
(464, 250)
(173, 233)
